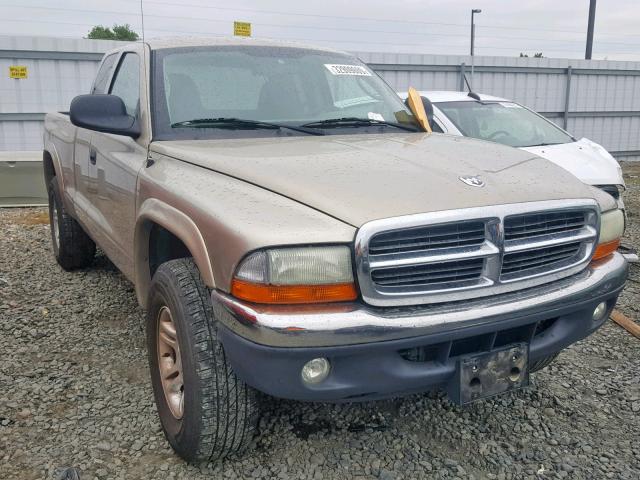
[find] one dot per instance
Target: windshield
(235, 91)
(503, 122)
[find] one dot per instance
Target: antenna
(142, 18)
(465, 80)
(144, 65)
(471, 93)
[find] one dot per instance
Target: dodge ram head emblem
(472, 181)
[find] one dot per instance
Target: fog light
(316, 370)
(599, 312)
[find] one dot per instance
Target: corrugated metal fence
(58, 69)
(595, 99)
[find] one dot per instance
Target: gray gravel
(75, 391)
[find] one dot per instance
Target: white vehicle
(504, 121)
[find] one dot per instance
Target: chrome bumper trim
(354, 323)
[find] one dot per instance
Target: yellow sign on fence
(242, 29)
(18, 71)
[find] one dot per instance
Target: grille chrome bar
(426, 238)
(522, 245)
(541, 241)
(440, 255)
(546, 256)
(543, 230)
(447, 272)
(541, 223)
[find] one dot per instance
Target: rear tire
(72, 247)
(543, 363)
(217, 414)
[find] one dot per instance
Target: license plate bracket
(487, 374)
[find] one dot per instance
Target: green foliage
(119, 32)
(123, 32)
(103, 33)
(535, 55)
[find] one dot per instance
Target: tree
(124, 32)
(536, 55)
(119, 32)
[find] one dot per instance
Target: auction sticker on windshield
(348, 70)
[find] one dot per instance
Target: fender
(179, 224)
(52, 151)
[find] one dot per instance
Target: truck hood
(587, 160)
(363, 177)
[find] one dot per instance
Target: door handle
(93, 155)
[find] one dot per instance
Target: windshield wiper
(230, 122)
(355, 122)
(542, 145)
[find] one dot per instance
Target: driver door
(116, 161)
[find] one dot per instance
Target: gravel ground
(75, 391)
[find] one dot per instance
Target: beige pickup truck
(291, 229)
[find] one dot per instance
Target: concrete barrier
(22, 179)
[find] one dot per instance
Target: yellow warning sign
(242, 29)
(18, 71)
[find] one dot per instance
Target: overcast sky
(505, 27)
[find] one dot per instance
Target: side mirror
(428, 108)
(103, 113)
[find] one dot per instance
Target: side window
(103, 75)
(126, 83)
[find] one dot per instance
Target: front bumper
(379, 352)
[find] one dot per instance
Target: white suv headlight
(611, 230)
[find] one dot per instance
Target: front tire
(206, 412)
(72, 247)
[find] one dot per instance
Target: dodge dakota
(291, 229)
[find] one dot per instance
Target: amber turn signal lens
(605, 249)
(293, 294)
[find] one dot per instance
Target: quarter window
(103, 75)
(126, 84)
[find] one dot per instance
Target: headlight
(611, 229)
(296, 275)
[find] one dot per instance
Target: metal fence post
(461, 79)
(565, 122)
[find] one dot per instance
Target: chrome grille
(524, 262)
(426, 238)
(430, 274)
(521, 226)
(468, 253)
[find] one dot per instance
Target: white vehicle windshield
(261, 91)
(503, 122)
